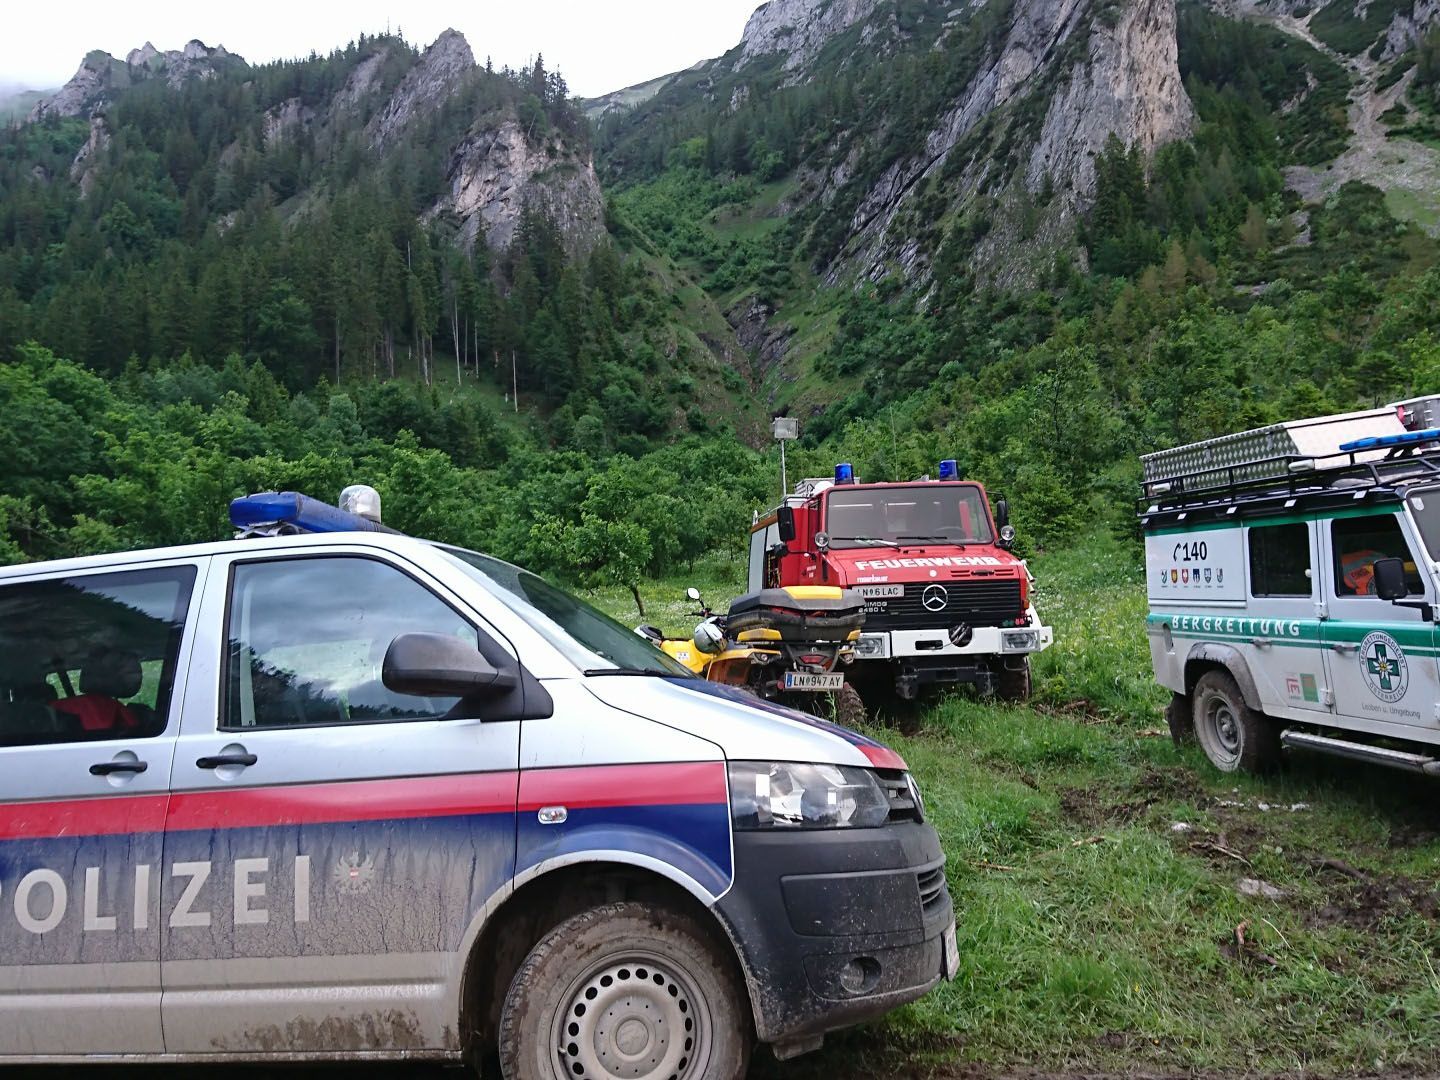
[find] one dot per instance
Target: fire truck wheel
(849, 708)
(1014, 683)
(1233, 735)
(625, 990)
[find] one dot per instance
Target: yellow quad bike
(789, 645)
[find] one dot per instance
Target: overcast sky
(599, 45)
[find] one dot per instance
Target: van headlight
(788, 795)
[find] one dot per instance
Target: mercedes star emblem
(935, 598)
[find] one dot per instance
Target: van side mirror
(441, 665)
(786, 521)
(692, 593)
(1390, 579)
(1002, 513)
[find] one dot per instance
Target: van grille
(975, 602)
(932, 888)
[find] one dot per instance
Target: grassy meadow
(1097, 873)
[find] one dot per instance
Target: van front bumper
(838, 927)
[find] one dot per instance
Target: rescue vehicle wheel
(622, 991)
(1180, 719)
(1013, 684)
(1233, 735)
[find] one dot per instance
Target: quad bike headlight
(789, 795)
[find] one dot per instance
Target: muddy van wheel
(624, 991)
(1233, 735)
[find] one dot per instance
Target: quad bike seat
(803, 610)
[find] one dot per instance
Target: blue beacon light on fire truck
(845, 473)
(949, 470)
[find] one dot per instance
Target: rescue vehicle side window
(1425, 507)
(1359, 543)
(90, 657)
(307, 638)
(1280, 560)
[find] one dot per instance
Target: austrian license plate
(881, 592)
(801, 680)
(950, 963)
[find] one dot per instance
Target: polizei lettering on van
(41, 900)
(945, 560)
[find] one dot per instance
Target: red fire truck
(946, 602)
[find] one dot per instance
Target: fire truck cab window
(1358, 543)
(1280, 560)
(940, 514)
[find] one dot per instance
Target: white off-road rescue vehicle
(1293, 580)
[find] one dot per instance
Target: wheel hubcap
(1226, 725)
(637, 1019)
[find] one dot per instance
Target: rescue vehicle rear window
(1280, 560)
(90, 657)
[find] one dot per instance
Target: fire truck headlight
(789, 795)
(1021, 641)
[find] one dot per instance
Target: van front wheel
(625, 990)
(1233, 735)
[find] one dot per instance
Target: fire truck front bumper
(949, 643)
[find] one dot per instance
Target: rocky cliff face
(101, 75)
(800, 28)
(426, 86)
(495, 174)
(1087, 73)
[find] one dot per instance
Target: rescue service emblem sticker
(1383, 666)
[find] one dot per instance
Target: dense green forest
(210, 312)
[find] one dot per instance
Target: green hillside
(285, 311)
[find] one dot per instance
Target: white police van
(1293, 576)
(350, 794)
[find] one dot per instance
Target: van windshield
(911, 514)
(1425, 507)
(588, 638)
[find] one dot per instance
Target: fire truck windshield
(910, 514)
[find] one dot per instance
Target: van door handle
(1343, 648)
(108, 768)
(221, 760)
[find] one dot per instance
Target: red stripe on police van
(369, 800)
(343, 801)
(882, 757)
(108, 816)
(675, 784)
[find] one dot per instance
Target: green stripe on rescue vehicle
(1262, 519)
(1297, 633)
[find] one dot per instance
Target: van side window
(307, 638)
(1280, 560)
(90, 657)
(1359, 543)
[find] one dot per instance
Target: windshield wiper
(634, 671)
(872, 540)
(937, 539)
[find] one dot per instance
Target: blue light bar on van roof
(289, 511)
(1385, 442)
(949, 470)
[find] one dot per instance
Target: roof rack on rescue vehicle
(1342, 458)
